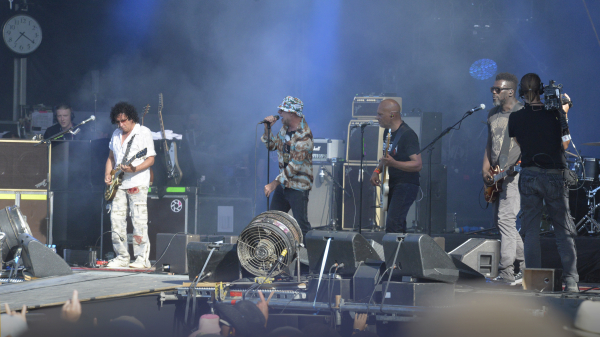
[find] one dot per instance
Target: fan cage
(263, 241)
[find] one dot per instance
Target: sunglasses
(497, 90)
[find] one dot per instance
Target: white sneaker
(117, 263)
(140, 263)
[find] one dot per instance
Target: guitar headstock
(141, 153)
(160, 102)
(387, 141)
(146, 109)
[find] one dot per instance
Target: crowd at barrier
(472, 317)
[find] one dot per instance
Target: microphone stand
(430, 147)
(361, 175)
(268, 157)
(333, 213)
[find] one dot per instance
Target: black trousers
(285, 199)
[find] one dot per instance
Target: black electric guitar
(174, 173)
(116, 177)
(385, 186)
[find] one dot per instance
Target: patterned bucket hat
(292, 104)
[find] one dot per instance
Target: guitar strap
(127, 151)
(503, 157)
(396, 140)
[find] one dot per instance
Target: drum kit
(588, 174)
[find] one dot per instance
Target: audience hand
(14, 313)
(264, 305)
(71, 310)
(360, 321)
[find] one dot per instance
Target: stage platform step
(91, 285)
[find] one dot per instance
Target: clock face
(22, 34)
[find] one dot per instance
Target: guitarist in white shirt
(503, 152)
(403, 164)
(134, 188)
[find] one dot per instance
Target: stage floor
(91, 285)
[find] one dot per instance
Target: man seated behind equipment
(64, 116)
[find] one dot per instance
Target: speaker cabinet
(439, 202)
(33, 206)
(223, 264)
(480, 254)
(167, 213)
(351, 199)
(418, 256)
(320, 196)
(171, 249)
(349, 248)
(223, 215)
(40, 260)
(23, 165)
(373, 138)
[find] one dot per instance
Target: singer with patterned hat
(294, 146)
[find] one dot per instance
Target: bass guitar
(116, 177)
(495, 187)
(174, 173)
(385, 186)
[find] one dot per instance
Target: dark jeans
(401, 197)
(549, 187)
(285, 199)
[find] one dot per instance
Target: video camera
(553, 99)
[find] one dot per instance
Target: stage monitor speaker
(419, 257)
(223, 263)
(349, 248)
(319, 198)
(351, 201)
(12, 224)
(171, 252)
(40, 260)
(24, 165)
(479, 254)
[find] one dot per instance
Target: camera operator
(540, 135)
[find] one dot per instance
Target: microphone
(321, 175)
(362, 125)
(265, 121)
(92, 118)
(477, 108)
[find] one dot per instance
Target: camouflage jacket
(298, 173)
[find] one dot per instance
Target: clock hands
(23, 34)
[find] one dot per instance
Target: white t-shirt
(142, 140)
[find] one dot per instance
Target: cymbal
(592, 144)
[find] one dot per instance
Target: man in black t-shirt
(63, 114)
(403, 165)
(540, 135)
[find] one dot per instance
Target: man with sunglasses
(503, 152)
(127, 140)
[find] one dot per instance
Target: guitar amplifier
(366, 107)
(325, 149)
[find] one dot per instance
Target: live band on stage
(379, 180)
